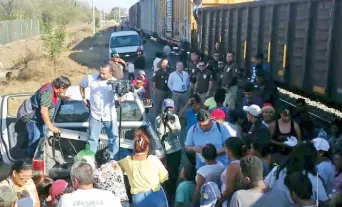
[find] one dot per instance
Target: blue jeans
(95, 127)
(150, 199)
(35, 131)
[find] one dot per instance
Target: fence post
(7, 32)
(21, 31)
(38, 27)
(31, 29)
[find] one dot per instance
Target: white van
(129, 46)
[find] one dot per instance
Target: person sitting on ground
(43, 184)
(109, 176)
(262, 149)
(300, 189)
(268, 113)
(302, 158)
(145, 174)
(59, 188)
(81, 175)
(8, 196)
(230, 178)
(20, 178)
(257, 193)
(219, 116)
(325, 168)
(210, 172)
(186, 187)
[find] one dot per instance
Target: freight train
(300, 39)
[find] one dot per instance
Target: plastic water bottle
(86, 155)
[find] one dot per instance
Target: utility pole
(94, 28)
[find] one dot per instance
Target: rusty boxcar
(302, 40)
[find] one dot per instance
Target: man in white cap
(325, 168)
(258, 128)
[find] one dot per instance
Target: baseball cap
(7, 195)
(217, 114)
(57, 188)
(267, 106)
(291, 141)
(141, 72)
(253, 109)
(321, 144)
(168, 103)
(210, 193)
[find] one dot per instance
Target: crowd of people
(242, 147)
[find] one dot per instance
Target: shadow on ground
(93, 50)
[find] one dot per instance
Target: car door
(13, 136)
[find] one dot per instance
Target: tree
(116, 13)
(53, 39)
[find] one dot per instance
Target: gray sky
(107, 5)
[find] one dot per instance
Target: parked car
(72, 118)
(129, 45)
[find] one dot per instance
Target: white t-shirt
(92, 197)
(211, 173)
(326, 171)
(155, 64)
(278, 184)
(130, 68)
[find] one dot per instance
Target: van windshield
(125, 41)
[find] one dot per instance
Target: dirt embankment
(26, 67)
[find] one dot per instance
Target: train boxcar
(300, 38)
(134, 16)
(148, 19)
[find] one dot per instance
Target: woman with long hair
(302, 158)
(236, 149)
(145, 174)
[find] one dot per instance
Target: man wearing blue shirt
(190, 110)
(204, 132)
(259, 61)
(178, 84)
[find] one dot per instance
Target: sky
(107, 5)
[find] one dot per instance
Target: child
(210, 172)
(186, 188)
(130, 71)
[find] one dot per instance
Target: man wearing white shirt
(102, 108)
(85, 194)
(178, 84)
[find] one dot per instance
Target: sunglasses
(201, 65)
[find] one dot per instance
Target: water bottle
(86, 155)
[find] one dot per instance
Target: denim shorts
(150, 199)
